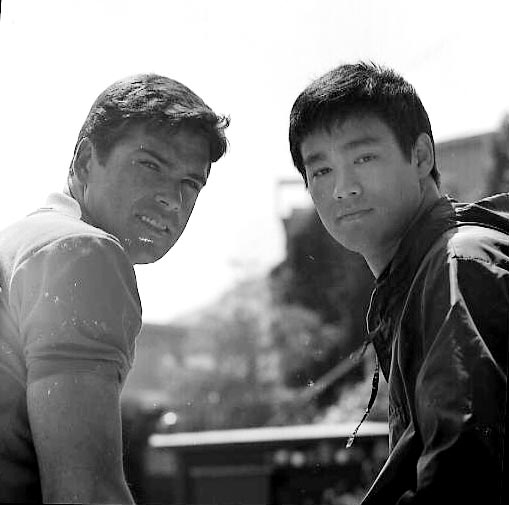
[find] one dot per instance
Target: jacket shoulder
(476, 242)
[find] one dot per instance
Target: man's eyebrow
(361, 142)
(313, 158)
(202, 179)
(349, 146)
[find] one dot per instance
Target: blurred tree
(499, 180)
(158, 348)
(306, 345)
(248, 361)
(353, 400)
(323, 291)
(229, 376)
(320, 274)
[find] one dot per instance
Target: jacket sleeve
(460, 390)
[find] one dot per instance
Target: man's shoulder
(82, 270)
(475, 241)
(43, 228)
(46, 229)
(463, 244)
(481, 229)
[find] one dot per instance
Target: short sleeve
(78, 308)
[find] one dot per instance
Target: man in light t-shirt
(69, 305)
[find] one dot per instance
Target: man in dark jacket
(439, 315)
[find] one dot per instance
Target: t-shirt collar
(64, 203)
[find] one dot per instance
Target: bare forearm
(81, 486)
(79, 447)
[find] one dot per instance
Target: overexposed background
(248, 59)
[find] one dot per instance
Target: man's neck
(74, 190)
(378, 261)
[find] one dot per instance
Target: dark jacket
(439, 317)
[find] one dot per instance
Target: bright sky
(246, 59)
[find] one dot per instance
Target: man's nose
(169, 197)
(346, 184)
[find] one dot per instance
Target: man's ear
(424, 155)
(82, 160)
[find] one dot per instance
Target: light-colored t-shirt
(68, 303)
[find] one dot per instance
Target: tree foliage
(323, 291)
(305, 344)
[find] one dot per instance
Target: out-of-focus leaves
(323, 292)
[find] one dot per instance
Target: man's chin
(354, 242)
(147, 251)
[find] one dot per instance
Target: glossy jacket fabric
(439, 317)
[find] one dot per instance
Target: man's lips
(352, 215)
(154, 223)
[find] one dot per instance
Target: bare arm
(75, 423)
(79, 310)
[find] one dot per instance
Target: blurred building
(466, 165)
(159, 349)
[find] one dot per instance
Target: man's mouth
(154, 223)
(353, 215)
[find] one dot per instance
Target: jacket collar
(444, 214)
(395, 280)
(438, 218)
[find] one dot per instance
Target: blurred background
(251, 320)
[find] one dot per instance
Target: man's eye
(193, 184)
(365, 158)
(150, 165)
(321, 171)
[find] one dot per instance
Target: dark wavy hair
(157, 102)
(359, 89)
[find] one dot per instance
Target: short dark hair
(157, 102)
(357, 89)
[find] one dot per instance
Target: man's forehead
(348, 133)
(184, 141)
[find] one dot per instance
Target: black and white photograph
(254, 253)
